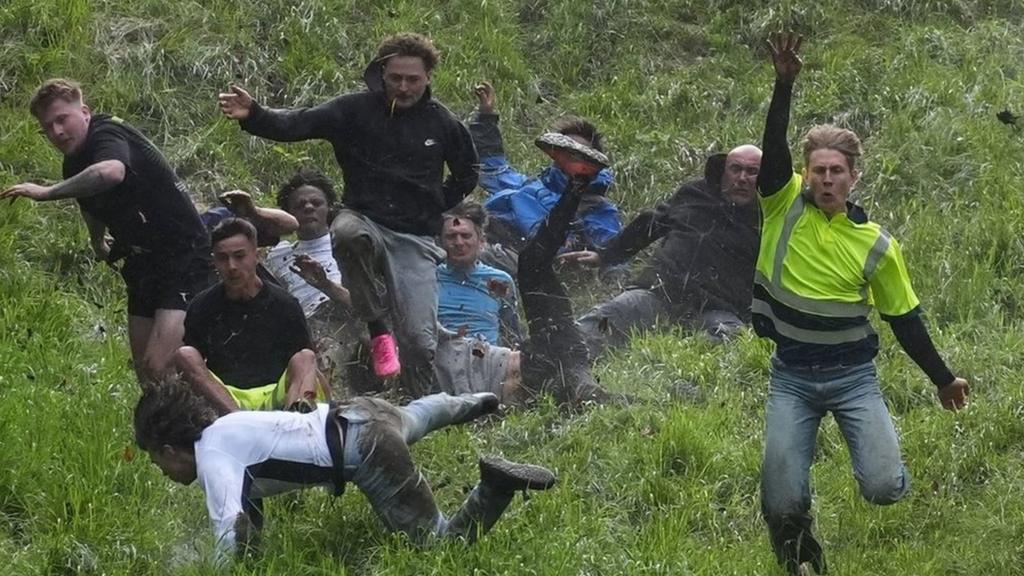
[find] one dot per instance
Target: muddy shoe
(575, 159)
(485, 403)
(488, 402)
(507, 476)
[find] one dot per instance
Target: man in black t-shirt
(124, 186)
(247, 345)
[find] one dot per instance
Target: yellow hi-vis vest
(817, 277)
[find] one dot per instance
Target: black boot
(506, 476)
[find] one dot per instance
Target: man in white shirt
(242, 457)
(307, 269)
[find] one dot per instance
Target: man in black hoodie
(125, 187)
(392, 142)
(701, 274)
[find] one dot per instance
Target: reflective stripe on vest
(811, 336)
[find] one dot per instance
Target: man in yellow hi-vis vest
(822, 265)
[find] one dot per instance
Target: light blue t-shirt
(477, 301)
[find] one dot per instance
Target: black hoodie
(392, 160)
(706, 261)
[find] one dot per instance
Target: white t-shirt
(281, 257)
(248, 455)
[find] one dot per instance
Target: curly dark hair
(576, 126)
(169, 413)
(410, 44)
(307, 177)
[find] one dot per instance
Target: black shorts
(164, 282)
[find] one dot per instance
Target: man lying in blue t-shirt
(474, 300)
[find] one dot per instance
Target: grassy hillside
(666, 487)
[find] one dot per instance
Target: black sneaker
(507, 476)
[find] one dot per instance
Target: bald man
(702, 273)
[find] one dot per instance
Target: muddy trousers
(393, 277)
(378, 462)
(611, 324)
(555, 357)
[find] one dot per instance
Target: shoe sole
(513, 476)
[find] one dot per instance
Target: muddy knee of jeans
(885, 491)
(354, 246)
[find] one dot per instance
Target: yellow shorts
(266, 397)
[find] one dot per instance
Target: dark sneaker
(486, 403)
(575, 159)
(507, 476)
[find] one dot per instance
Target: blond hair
(830, 137)
(54, 89)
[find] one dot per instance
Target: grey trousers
(609, 325)
(393, 276)
(378, 462)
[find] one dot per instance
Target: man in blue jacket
(392, 142)
(519, 203)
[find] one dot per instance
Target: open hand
(239, 202)
(236, 103)
(582, 257)
(786, 56)
(485, 97)
(954, 395)
(311, 271)
(26, 190)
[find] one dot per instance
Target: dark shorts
(164, 282)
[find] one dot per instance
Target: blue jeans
(798, 398)
(377, 460)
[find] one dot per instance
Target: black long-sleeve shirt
(392, 160)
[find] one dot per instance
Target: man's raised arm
(777, 163)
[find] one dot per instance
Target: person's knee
(186, 357)
(885, 490)
(304, 359)
(349, 231)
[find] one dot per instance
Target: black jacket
(707, 258)
(392, 160)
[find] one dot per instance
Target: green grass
(666, 487)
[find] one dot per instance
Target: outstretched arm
(912, 334)
(291, 125)
(97, 178)
(777, 163)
